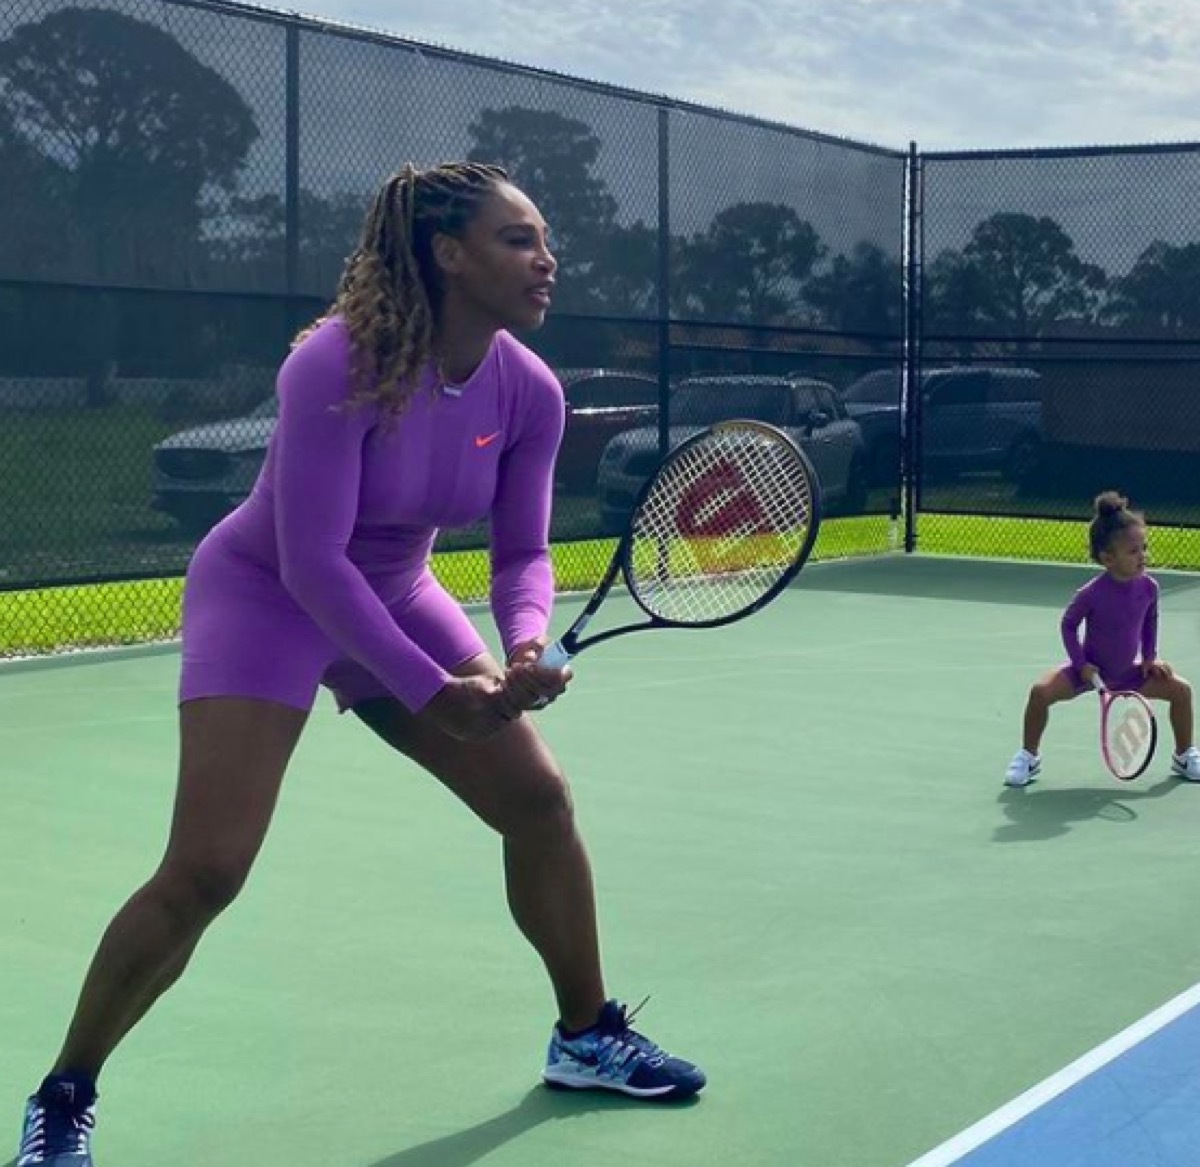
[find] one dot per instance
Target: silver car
(808, 410)
(201, 474)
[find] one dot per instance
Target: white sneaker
(1187, 764)
(1024, 768)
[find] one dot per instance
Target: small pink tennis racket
(1128, 731)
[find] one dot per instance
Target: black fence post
(910, 385)
(664, 280)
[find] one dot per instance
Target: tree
(1029, 276)
(32, 191)
(860, 292)
(551, 157)
(748, 266)
(118, 131)
(1161, 293)
(954, 296)
(250, 245)
(624, 276)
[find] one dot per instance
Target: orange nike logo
(482, 440)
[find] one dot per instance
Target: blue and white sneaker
(58, 1125)
(612, 1056)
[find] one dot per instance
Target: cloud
(952, 74)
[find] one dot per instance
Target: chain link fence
(954, 338)
(1060, 345)
(183, 182)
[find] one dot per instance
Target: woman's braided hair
(389, 292)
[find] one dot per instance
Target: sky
(948, 74)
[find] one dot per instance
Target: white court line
(77, 691)
(1025, 1104)
(61, 724)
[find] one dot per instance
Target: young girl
(1119, 612)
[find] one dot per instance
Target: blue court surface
(1132, 1102)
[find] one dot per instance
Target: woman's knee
(540, 805)
(196, 889)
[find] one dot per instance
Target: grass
(1056, 540)
(76, 489)
(94, 467)
(52, 619)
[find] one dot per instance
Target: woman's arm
(318, 470)
(522, 589)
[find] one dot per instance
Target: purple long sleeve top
(1119, 620)
(348, 504)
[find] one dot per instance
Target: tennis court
(805, 856)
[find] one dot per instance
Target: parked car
(808, 410)
(599, 404)
(972, 419)
(201, 474)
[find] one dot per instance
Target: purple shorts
(1129, 681)
(244, 635)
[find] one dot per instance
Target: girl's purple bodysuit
(322, 575)
(1121, 620)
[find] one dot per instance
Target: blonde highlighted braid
(389, 292)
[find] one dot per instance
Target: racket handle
(554, 656)
(1098, 684)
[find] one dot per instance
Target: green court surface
(804, 854)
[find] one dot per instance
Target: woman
(407, 407)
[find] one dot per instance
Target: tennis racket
(722, 527)
(1128, 731)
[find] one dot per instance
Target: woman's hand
(529, 685)
(1088, 674)
(473, 708)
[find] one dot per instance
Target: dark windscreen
(879, 388)
(703, 404)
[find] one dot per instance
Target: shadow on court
(538, 1106)
(982, 581)
(1046, 814)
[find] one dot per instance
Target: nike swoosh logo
(482, 440)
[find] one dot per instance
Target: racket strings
(722, 524)
(1128, 736)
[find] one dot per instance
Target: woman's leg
(233, 755)
(514, 785)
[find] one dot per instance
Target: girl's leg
(514, 785)
(234, 752)
(1176, 691)
(1050, 690)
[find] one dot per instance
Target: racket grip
(1098, 684)
(554, 656)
